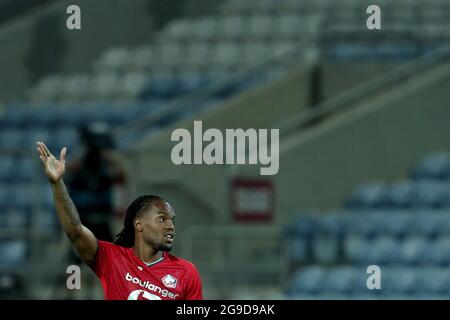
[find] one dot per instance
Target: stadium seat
(368, 196)
(26, 168)
(259, 26)
(64, 136)
(11, 139)
(412, 251)
(225, 54)
(114, 60)
(310, 280)
(438, 252)
(325, 248)
(142, 58)
(103, 86)
(12, 252)
(431, 195)
(382, 250)
(16, 115)
(398, 281)
(74, 88)
(203, 29)
(4, 196)
(401, 194)
(230, 27)
(6, 168)
(341, 280)
(354, 247)
(169, 54)
(17, 219)
(397, 223)
(177, 29)
(47, 89)
(433, 166)
(433, 281)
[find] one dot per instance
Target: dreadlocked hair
(125, 238)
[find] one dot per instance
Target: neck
(146, 253)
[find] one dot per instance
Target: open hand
(54, 169)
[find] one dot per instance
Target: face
(157, 226)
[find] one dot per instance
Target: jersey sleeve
(102, 258)
(194, 290)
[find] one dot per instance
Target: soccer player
(137, 266)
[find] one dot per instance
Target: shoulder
(189, 266)
(109, 246)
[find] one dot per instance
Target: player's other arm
(82, 238)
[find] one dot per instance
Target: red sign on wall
(252, 200)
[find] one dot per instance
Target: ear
(138, 225)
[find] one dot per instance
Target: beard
(164, 247)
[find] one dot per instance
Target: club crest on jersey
(169, 281)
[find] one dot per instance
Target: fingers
(48, 153)
(62, 156)
(41, 151)
(43, 161)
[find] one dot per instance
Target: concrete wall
(381, 140)
(337, 77)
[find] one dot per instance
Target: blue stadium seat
(431, 195)
(189, 82)
(368, 196)
(310, 280)
(438, 252)
(433, 166)
(12, 252)
(341, 280)
(433, 281)
(401, 194)
(6, 168)
(383, 250)
(396, 281)
(65, 136)
(325, 248)
(26, 168)
(426, 223)
(413, 250)
(397, 222)
(11, 138)
(37, 134)
(363, 222)
(4, 197)
(16, 115)
(17, 218)
(21, 196)
(47, 221)
(354, 247)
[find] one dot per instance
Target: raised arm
(82, 238)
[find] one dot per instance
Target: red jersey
(125, 277)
